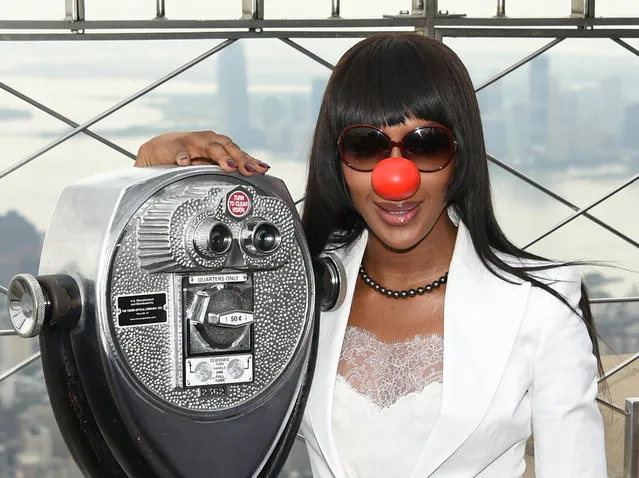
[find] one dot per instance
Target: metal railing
(423, 17)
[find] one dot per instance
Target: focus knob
(27, 304)
(330, 280)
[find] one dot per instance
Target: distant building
(630, 135)
(233, 93)
(7, 114)
(4, 460)
(43, 453)
(318, 86)
(496, 135)
(491, 99)
(494, 123)
(20, 246)
(611, 105)
(539, 87)
(562, 142)
(518, 134)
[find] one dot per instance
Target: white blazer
(516, 361)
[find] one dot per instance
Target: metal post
(310, 54)
(429, 8)
(583, 210)
(501, 8)
(160, 9)
(519, 64)
(74, 10)
(64, 119)
(259, 9)
(247, 9)
(115, 108)
(582, 8)
(518, 174)
(578, 8)
(625, 45)
(252, 9)
(15, 369)
(335, 8)
(631, 443)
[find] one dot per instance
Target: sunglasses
(431, 147)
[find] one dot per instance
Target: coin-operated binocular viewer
(177, 316)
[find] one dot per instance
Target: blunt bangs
(386, 81)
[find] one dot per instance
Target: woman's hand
(198, 147)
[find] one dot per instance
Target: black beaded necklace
(401, 294)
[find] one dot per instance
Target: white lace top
(386, 400)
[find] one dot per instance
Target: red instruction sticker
(238, 204)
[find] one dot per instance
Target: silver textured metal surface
(26, 305)
(153, 352)
(85, 234)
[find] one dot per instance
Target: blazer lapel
(482, 315)
(332, 328)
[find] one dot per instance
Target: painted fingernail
(250, 168)
(231, 164)
(263, 165)
(183, 158)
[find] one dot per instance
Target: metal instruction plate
(141, 309)
(218, 370)
(218, 278)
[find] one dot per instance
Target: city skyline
(271, 108)
(179, 105)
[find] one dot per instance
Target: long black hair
(383, 80)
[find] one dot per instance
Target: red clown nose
(395, 179)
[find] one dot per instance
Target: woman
(453, 344)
